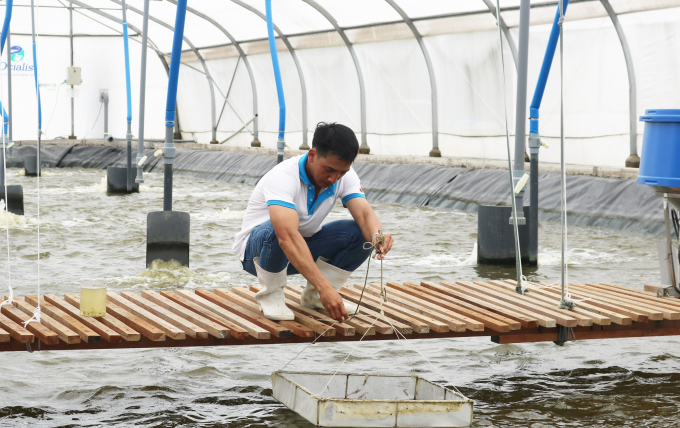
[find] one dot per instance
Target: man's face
(323, 172)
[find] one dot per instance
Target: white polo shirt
(287, 185)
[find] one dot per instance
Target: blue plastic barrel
(660, 160)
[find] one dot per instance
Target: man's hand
(383, 249)
(331, 300)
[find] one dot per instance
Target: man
(282, 224)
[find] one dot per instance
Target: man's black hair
(335, 139)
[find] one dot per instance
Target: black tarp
(593, 201)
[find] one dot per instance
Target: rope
(373, 247)
(566, 302)
(10, 300)
(520, 278)
(35, 22)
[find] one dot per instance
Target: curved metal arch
(303, 85)
(633, 160)
(120, 21)
(506, 30)
(243, 55)
(435, 152)
(364, 149)
(200, 59)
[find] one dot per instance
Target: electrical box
(73, 76)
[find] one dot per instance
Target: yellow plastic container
(93, 301)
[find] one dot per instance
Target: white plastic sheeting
(463, 45)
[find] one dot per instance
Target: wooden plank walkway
(425, 310)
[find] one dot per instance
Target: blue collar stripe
(311, 204)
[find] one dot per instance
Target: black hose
(676, 223)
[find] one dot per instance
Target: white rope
(566, 302)
(521, 279)
(36, 312)
(10, 300)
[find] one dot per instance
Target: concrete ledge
(467, 163)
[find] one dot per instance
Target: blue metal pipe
(280, 144)
(6, 119)
(171, 105)
(545, 69)
(5, 25)
(173, 74)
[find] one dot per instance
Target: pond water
(89, 237)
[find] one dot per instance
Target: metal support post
(70, 20)
(521, 111)
(633, 160)
(142, 95)
(534, 145)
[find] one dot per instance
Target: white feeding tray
(358, 400)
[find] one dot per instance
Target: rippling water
(87, 236)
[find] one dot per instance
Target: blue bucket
(660, 160)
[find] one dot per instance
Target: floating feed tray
(359, 400)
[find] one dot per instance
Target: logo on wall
(21, 68)
(16, 53)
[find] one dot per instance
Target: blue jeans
(340, 242)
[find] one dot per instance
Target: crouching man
(282, 232)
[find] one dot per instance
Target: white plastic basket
(359, 400)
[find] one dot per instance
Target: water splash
(22, 173)
(227, 214)
(10, 218)
(172, 274)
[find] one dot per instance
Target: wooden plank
(145, 328)
(476, 295)
(252, 306)
(431, 291)
(654, 301)
(534, 304)
(214, 329)
(651, 313)
(85, 333)
(93, 323)
(298, 329)
(4, 336)
(170, 330)
(67, 335)
(293, 293)
(403, 316)
(44, 334)
(191, 329)
(576, 311)
(409, 302)
(654, 288)
(526, 319)
(561, 318)
(16, 331)
(235, 331)
(254, 330)
(598, 303)
(343, 329)
(616, 317)
(401, 291)
(254, 317)
(643, 292)
(127, 333)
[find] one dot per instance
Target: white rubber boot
(271, 299)
(336, 276)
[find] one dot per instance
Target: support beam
(364, 149)
(200, 59)
(633, 160)
(243, 56)
(303, 85)
(435, 152)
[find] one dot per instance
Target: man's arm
(369, 223)
(286, 224)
